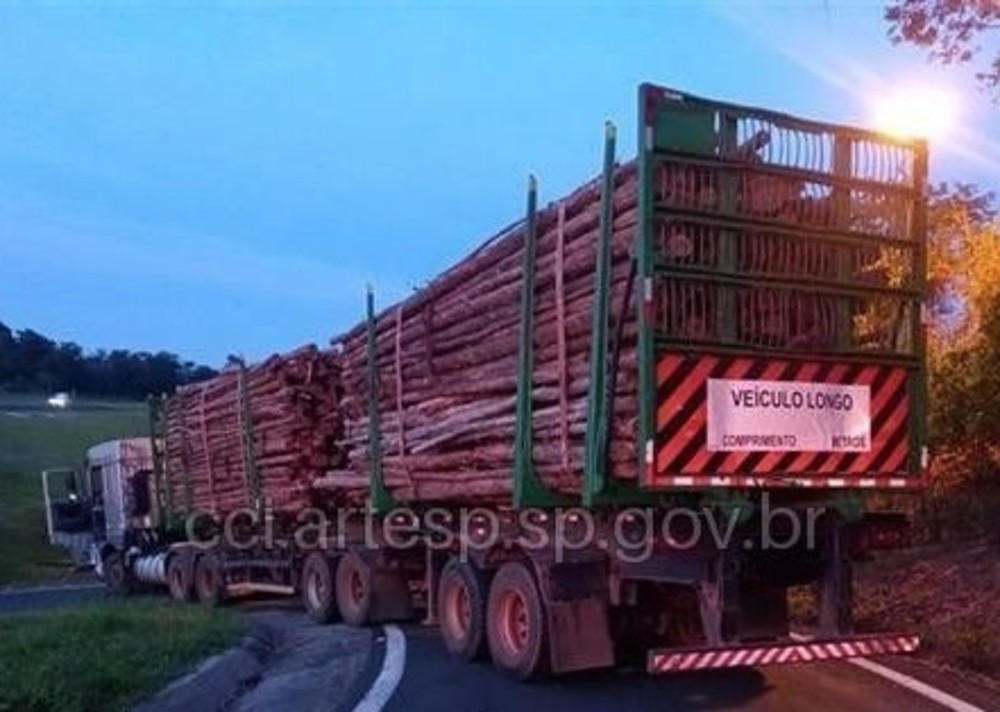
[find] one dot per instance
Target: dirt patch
(949, 595)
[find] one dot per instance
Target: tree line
(963, 409)
(30, 361)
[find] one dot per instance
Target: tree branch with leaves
(952, 31)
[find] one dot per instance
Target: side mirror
(70, 486)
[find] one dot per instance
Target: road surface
(433, 682)
(20, 600)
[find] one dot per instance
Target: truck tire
(461, 614)
(354, 589)
(180, 576)
(117, 577)
(516, 624)
(209, 580)
(319, 597)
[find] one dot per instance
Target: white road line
(388, 679)
(931, 693)
(921, 688)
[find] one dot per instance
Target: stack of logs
(447, 366)
(289, 403)
(448, 363)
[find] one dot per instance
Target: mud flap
(579, 635)
(390, 596)
(576, 604)
(836, 585)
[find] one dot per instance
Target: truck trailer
(624, 428)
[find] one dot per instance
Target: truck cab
(96, 511)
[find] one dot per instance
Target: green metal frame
(726, 315)
(595, 478)
(645, 257)
(598, 487)
(161, 476)
(252, 473)
(381, 499)
(186, 475)
(918, 375)
(691, 130)
(529, 490)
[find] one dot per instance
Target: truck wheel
(354, 589)
(461, 613)
(515, 623)
(209, 580)
(116, 576)
(179, 577)
(318, 595)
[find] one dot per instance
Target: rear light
(881, 532)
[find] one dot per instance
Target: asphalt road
(433, 682)
(32, 599)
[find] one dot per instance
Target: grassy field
(106, 655)
(34, 437)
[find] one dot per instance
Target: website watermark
(632, 534)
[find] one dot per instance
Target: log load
(290, 405)
(447, 364)
(446, 358)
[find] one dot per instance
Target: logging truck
(621, 430)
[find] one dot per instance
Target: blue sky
(227, 179)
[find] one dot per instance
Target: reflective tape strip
(823, 482)
(787, 653)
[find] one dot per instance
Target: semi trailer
(624, 428)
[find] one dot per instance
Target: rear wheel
(318, 593)
(354, 589)
(515, 623)
(461, 613)
(116, 575)
(209, 580)
(180, 576)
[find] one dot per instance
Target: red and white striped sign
(682, 451)
(665, 661)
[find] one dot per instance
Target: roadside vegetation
(948, 587)
(30, 362)
(949, 595)
(107, 655)
(34, 437)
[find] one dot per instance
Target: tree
(957, 214)
(33, 348)
(964, 338)
(950, 31)
(7, 348)
(32, 361)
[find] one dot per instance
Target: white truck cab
(91, 513)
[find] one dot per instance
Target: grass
(107, 655)
(34, 437)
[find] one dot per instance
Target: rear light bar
(880, 532)
(784, 653)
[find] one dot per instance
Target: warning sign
(790, 416)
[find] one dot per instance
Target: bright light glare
(917, 112)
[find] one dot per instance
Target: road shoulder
(286, 663)
(971, 689)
